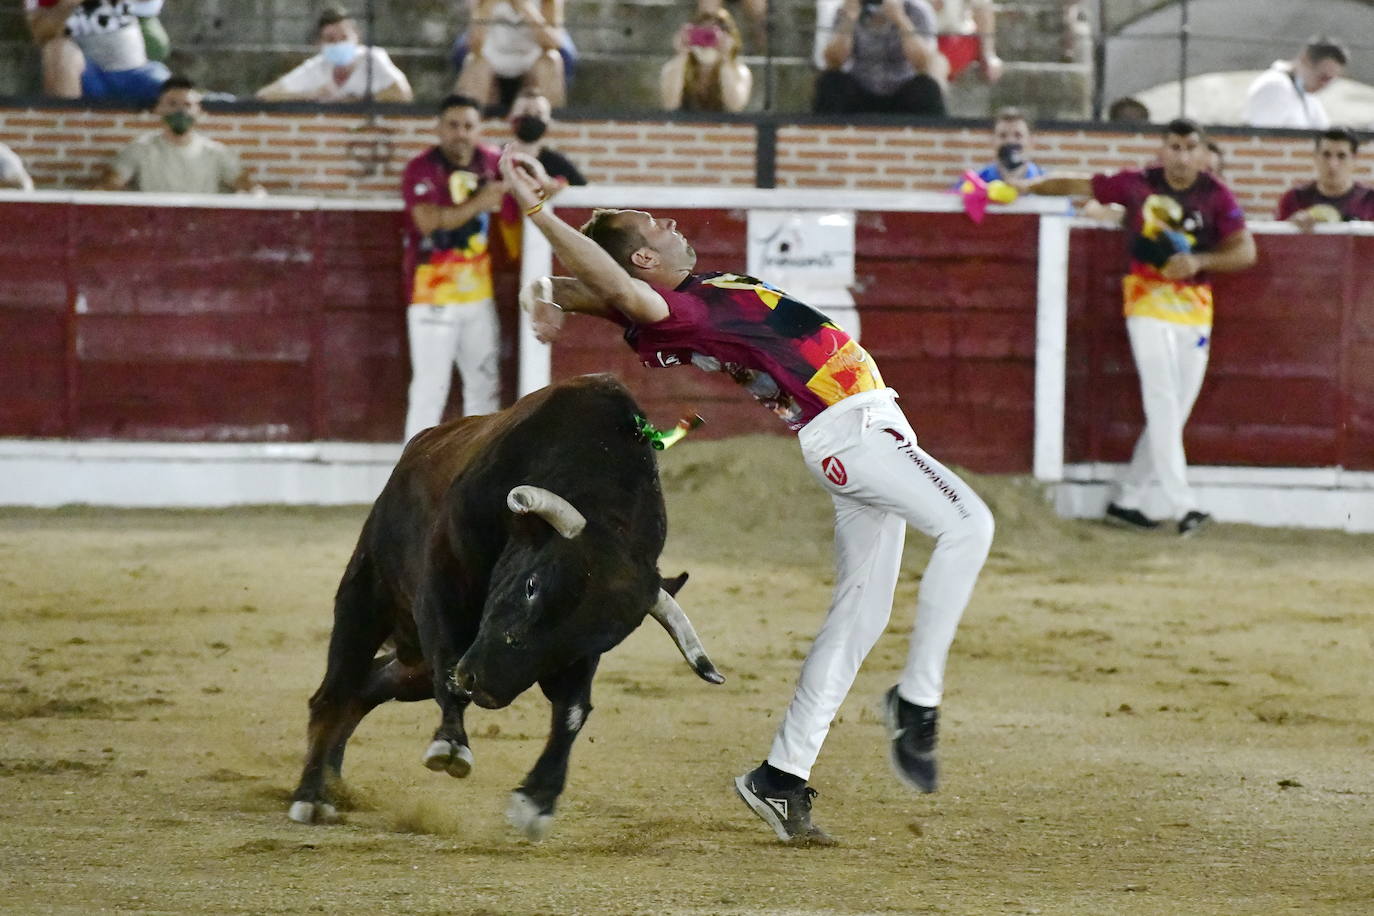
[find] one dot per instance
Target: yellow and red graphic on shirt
(459, 274)
(842, 366)
(1146, 292)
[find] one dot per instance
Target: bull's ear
(674, 585)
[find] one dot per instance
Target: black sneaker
(1192, 523)
(787, 811)
(913, 730)
(1131, 518)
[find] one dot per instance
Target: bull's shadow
(505, 550)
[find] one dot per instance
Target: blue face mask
(340, 53)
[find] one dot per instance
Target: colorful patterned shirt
(789, 356)
(1161, 222)
(449, 266)
(1355, 204)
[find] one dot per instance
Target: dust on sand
(1133, 724)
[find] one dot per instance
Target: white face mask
(340, 53)
(706, 57)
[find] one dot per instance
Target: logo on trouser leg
(834, 471)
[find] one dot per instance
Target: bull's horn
(549, 506)
(669, 613)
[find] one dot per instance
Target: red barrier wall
(1291, 377)
(205, 324)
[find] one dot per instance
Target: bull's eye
(531, 588)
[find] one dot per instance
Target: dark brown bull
(505, 550)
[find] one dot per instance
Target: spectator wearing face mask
(1011, 133)
(342, 70)
(177, 159)
(705, 72)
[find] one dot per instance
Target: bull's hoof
(304, 812)
(525, 815)
(448, 757)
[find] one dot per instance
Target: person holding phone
(705, 72)
(879, 58)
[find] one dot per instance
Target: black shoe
(1192, 523)
(1131, 518)
(913, 731)
(787, 811)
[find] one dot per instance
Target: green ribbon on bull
(660, 439)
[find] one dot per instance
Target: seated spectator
(1011, 132)
(1128, 110)
(177, 158)
(1213, 158)
(1285, 95)
(12, 173)
(512, 45)
(879, 58)
(705, 73)
(341, 71)
(967, 31)
(1335, 196)
(93, 49)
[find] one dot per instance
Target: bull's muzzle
(669, 613)
(548, 505)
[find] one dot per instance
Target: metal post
(1100, 61)
(768, 76)
(371, 30)
(1183, 59)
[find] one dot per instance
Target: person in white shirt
(1285, 95)
(342, 70)
(12, 173)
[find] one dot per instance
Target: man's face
(1316, 77)
(1181, 159)
(1335, 163)
(179, 100)
(336, 32)
(662, 236)
(460, 130)
(1012, 131)
(536, 106)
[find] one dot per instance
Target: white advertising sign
(809, 254)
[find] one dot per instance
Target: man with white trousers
(637, 271)
(1182, 223)
(450, 192)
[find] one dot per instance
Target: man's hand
(524, 177)
(1181, 266)
(489, 195)
(993, 68)
(1303, 219)
(546, 318)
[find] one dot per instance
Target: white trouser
(864, 452)
(1171, 360)
(442, 336)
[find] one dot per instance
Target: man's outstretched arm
(602, 279)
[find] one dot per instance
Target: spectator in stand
(512, 45)
(879, 59)
(706, 73)
(450, 193)
(343, 69)
(1213, 158)
(1128, 110)
(1335, 196)
(967, 32)
(93, 49)
(1285, 95)
(12, 173)
(177, 158)
(756, 11)
(1012, 134)
(1182, 224)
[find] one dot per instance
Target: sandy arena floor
(1134, 724)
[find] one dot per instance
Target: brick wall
(345, 155)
